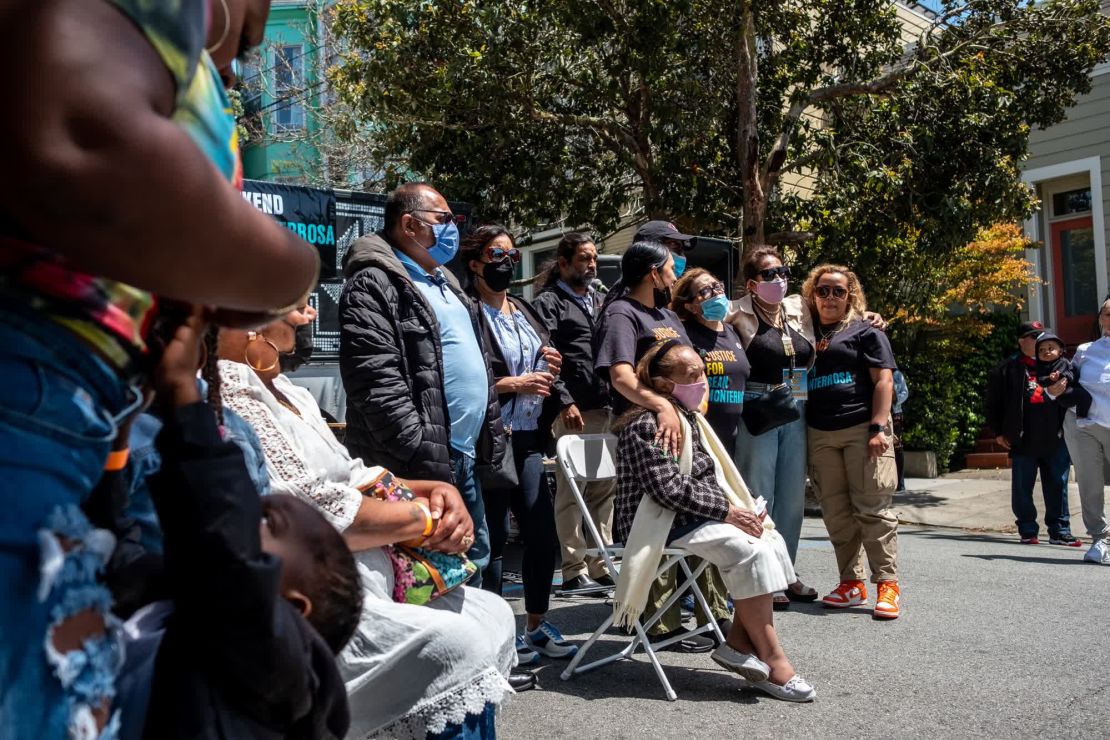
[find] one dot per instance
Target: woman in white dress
(411, 671)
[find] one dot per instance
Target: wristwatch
(874, 428)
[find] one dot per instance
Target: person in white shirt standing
(1087, 433)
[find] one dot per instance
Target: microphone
(599, 286)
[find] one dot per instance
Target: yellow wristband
(117, 460)
(429, 523)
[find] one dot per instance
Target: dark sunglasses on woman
(773, 272)
(836, 291)
(496, 254)
(714, 288)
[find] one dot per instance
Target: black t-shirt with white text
(727, 370)
(628, 330)
(840, 385)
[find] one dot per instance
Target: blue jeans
(475, 727)
(466, 480)
(60, 407)
(774, 467)
(1054, 468)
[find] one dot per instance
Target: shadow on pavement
(636, 679)
(922, 499)
(1024, 559)
(954, 535)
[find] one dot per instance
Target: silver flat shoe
(796, 689)
(743, 664)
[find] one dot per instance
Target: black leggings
(531, 505)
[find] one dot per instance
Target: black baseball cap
(658, 230)
(1030, 327)
(1048, 336)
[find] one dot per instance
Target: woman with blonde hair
(851, 455)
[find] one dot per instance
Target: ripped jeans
(60, 407)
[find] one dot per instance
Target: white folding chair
(585, 458)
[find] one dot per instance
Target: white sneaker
(748, 666)
(1099, 552)
(796, 689)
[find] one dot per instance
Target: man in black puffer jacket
(420, 397)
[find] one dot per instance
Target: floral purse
(420, 575)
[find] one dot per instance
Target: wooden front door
(1075, 290)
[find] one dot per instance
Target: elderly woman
(699, 502)
(851, 453)
(410, 670)
(1087, 433)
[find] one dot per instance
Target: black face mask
(662, 297)
(498, 275)
(302, 349)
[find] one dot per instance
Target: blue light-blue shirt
(464, 379)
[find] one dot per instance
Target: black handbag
(502, 476)
(772, 409)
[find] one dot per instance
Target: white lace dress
(410, 670)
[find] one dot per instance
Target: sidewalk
(971, 499)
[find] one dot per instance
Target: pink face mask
(771, 292)
(690, 395)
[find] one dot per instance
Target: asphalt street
(996, 639)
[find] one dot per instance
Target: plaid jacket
(642, 468)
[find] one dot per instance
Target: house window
(289, 87)
(1071, 201)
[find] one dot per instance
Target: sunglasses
(440, 217)
(714, 288)
(773, 272)
(496, 254)
(836, 291)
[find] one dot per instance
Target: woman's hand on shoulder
(875, 320)
(669, 429)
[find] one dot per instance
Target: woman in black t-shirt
(701, 303)
(851, 455)
(634, 318)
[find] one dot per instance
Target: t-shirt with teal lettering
(840, 386)
(727, 371)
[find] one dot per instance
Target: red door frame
(1072, 329)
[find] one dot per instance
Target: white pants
(749, 566)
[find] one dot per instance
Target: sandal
(802, 593)
(780, 602)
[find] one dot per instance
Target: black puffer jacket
(391, 362)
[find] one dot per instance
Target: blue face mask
(716, 308)
(679, 265)
(447, 243)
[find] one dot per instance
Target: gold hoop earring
(252, 337)
(227, 28)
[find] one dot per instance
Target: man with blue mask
(410, 354)
(670, 237)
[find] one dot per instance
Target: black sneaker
(1067, 540)
(581, 586)
(691, 644)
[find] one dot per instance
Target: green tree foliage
(697, 109)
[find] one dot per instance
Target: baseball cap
(1048, 336)
(1030, 327)
(657, 230)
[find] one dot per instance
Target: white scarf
(652, 524)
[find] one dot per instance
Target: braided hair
(211, 372)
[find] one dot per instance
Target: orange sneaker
(888, 605)
(848, 593)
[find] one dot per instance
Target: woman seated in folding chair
(699, 502)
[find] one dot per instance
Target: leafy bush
(947, 378)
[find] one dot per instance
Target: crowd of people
(188, 550)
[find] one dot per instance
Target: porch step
(987, 460)
(987, 445)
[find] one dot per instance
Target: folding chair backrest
(588, 457)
